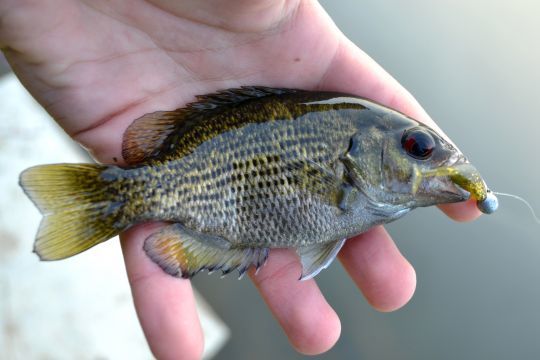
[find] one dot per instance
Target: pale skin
(97, 65)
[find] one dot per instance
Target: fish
(241, 171)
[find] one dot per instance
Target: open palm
(97, 65)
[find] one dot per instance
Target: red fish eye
(418, 143)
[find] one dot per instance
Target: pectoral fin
(317, 257)
(182, 252)
(325, 183)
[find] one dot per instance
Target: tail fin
(78, 210)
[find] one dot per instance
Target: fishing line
(523, 201)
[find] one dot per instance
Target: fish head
(408, 164)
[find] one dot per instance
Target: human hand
(98, 65)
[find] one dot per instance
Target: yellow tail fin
(78, 210)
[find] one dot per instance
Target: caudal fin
(78, 210)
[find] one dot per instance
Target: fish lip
(462, 194)
(441, 188)
(451, 192)
(455, 161)
(467, 177)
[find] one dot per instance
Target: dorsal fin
(234, 96)
(152, 134)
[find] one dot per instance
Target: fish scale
(234, 208)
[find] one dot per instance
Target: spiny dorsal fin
(234, 96)
(152, 133)
(182, 252)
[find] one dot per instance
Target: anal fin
(182, 252)
(317, 257)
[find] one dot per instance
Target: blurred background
(474, 66)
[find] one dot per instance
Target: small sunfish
(242, 171)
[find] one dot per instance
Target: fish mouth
(440, 189)
(468, 178)
(459, 182)
(455, 182)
